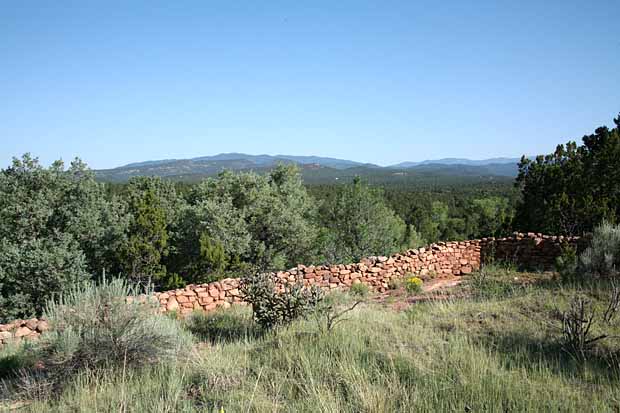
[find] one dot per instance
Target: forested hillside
(318, 170)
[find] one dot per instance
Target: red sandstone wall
(532, 251)
(22, 330)
(441, 259)
(451, 258)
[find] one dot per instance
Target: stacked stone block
(22, 330)
(441, 259)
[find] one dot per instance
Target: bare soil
(444, 288)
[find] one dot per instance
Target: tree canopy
(573, 189)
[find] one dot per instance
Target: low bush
(107, 325)
(413, 285)
(566, 263)
(273, 308)
(602, 257)
(359, 290)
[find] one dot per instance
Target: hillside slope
(314, 169)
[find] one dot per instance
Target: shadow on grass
(223, 326)
(524, 351)
(12, 361)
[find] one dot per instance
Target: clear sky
(380, 82)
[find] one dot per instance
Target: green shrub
(57, 226)
(566, 263)
(602, 257)
(272, 308)
(359, 224)
(105, 326)
(33, 271)
(413, 285)
(359, 290)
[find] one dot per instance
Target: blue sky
(380, 82)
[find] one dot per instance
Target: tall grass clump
(223, 326)
(495, 280)
(602, 257)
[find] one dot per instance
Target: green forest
(59, 226)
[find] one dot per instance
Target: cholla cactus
(274, 308)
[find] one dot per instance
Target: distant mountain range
(459, 161)
(314, 168)
(255, 160)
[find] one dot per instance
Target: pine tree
(148, 242)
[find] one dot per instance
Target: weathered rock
(42, 326)
(22, 332)
(172, 304)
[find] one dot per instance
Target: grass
(497, 352)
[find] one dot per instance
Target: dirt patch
(437, 289)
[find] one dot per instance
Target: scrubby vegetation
(95, 328)
(502, 340)
(59, 227)
(509, 352)
(512, 340)
(601, 258)
(272, 308)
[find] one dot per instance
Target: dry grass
(488, 353)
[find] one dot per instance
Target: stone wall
(451, 258)
(442, 259)
(528, 251)
(438, 260)
(22, 330)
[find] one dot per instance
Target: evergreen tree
(148, 241)
(270, 219)
(212, 254)
(573, 189)
(56, 228)
(358, 223)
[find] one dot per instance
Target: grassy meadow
(501, 349)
